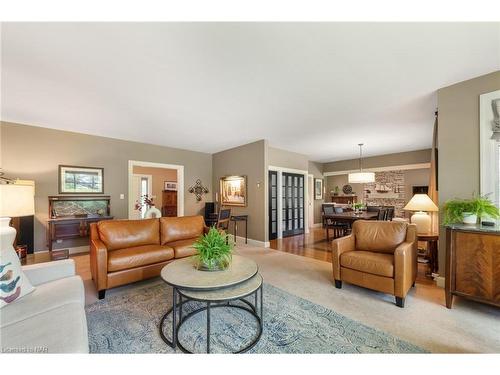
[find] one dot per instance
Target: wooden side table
(235, 219)
(432, 249)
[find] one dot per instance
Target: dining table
(349, 217)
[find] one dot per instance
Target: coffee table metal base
(209, 306)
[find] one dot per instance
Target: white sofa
(52, 318)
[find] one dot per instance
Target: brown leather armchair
(125, 251)
(379, 255)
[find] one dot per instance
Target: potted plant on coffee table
(213, 251)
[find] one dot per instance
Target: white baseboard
(317, 225)
(439, 281)
(241, 240)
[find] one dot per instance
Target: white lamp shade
(421, 202)
(17, 200)
(361, 177)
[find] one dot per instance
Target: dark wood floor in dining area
(314, 245)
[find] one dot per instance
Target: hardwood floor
(314, 245)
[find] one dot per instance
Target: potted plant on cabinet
(468, 211)
(213, 251)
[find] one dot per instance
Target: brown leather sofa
(380, 255)
(125, 251)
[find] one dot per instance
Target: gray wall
(249, 160)
(402, 158)
(458, 137)
(287, 159)
(34, 153)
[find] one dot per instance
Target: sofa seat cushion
(366, 261)
(138, 256)
(120, 234)
(45, 298)
(183, 248)
(59, 330)
(181, 228)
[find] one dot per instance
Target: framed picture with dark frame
(318, 188)
(233, 191)
(81, 180)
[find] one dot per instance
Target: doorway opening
(162, 183)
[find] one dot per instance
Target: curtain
(433, 180)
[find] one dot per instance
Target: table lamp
(16, 199)
(421, 204)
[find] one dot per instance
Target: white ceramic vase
(152, 213)
(469, 218)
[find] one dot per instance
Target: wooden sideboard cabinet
(70, 216)
(344, 199)
(473, 263)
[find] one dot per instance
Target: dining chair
(382, 214)
(223, 219)
(390, 213)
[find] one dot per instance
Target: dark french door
(273, 205)
(292, 186)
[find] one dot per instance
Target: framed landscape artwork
(80, 180)
(318, 188)
(233, 191)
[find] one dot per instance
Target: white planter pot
(469, 218)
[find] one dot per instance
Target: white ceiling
(318, 89)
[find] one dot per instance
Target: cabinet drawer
(477, 265)
(66, 230)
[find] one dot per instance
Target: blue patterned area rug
(128, 323)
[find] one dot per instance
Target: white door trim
(180, 181)
(310, 200)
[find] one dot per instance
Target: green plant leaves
(213, 250)
(480, 206)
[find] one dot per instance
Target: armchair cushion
(369, 262)
(379, 236)
(42, 273)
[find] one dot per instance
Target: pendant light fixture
(361, 177)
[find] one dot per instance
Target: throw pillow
(13, 283)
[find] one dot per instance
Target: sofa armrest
(339, 246)
(405, 268)
(99, 263)
(42, 273)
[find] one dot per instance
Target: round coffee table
(215, 289)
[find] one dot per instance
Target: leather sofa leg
(400, 302)
(102, 293)
(338, 284)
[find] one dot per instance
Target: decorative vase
(216, 265)
(152, 213)
(469, 218)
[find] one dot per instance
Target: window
(489, 122)
(144, 191)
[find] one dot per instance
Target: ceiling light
(361, 177)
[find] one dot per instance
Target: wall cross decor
(198, 190)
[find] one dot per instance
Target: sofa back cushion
(181, 228)
(120, 234)
(379, 236)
